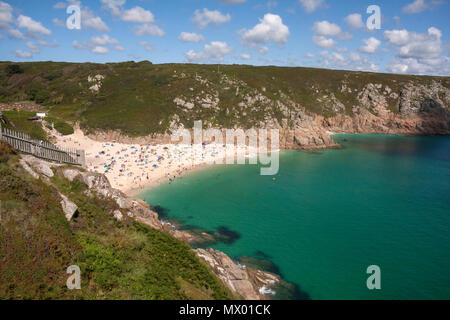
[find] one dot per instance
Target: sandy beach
(133, 168)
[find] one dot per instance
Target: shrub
(12, 69)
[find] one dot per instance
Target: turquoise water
(382, 200)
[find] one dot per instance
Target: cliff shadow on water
(284, 290)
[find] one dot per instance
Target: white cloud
(138, 14)
(415, 7)
(23, 54)
(90, 21)
(114, 6)
(269, 29)
(311, 5)
(88, 18)
(245, 56)
(371, 46)
(146, 45)
(421, 5)
(100, 50)
(325, 28)
(34, 48)
(77, 45)
(323, 42)
(31, 25)
(44, 43)
(420, 53)
(6, 15)
(99, 44)
(215, 51)
(15, 34)
(104, 40)
(58, 22)
(191, 37)
(206, 17)
(149, 30)
(355, 21)
(351, 61)
(60, 5)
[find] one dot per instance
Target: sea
(327, 216)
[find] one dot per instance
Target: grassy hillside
(118, 260)
(138, 98)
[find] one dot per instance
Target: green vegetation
(138, 98)
(19, 122)
(118, 260)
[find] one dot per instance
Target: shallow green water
(382, 200)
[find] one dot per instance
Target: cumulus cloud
(88, 18)
(104, 40)
(23, 54)
(420, 53)
(215, 51)
(32, 26)
(191, 37)
(269, 29)
(7, 18)
(90, 21)
(347, 61)
(355, 21)
(415, 7)
(6, 15)
(135, 15)
(245, 56)
(138, 14)
(323, 42)
(311, 5)
(421, 5)
(206, 17)
(100, 50)
(33, 47)
(15, 34)
(324, 30)
(147, 46)
(99, 44)
(371, 46)
(149, 30)
(114, 6)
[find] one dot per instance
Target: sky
(412, 38)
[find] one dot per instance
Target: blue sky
(414, 34)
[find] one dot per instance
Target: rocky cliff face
(403, 108)
(417, 109)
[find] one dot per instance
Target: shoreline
(134, 168)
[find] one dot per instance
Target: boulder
(118, 215)
(70, 209)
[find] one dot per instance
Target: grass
(137, 98)
(19, 122)
(118, 260)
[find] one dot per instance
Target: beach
(133, 168)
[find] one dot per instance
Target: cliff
(104, 232)
(145, 102)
